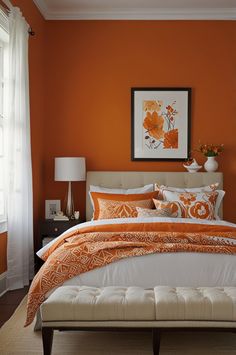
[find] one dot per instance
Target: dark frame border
(133, 90)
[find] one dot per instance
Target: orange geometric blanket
(92, 247)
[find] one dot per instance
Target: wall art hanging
(160, 128)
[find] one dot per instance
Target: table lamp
(70, 169)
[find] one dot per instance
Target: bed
(174, 269)
(181, 269)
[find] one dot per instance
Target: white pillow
(138, 190)
(221, 194)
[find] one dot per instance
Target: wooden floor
(9, 302)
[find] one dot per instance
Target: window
(3, 117)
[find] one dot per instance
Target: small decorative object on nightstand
(76, 215)
(52, 207)
(60, 217)
(50, 229)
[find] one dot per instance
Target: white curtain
(20, 261)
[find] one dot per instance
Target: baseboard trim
(3, 283)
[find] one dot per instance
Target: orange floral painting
(160, 124)
(171, 139)
(154, 121)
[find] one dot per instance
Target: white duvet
(173, 269)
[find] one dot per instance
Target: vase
(211, 164)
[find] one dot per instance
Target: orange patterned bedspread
(92, 247)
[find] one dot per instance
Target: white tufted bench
(91, 308)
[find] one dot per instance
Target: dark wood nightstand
(52, 229)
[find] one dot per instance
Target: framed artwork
(51, 208)
(160, 128)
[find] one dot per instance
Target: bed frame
(133, 179)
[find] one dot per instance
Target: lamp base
(70, 203)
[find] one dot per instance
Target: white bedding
(173, 269)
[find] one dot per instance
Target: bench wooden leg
(47, 335)
(156, 340)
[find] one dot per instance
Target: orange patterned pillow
(162, 188)
(168, 209)
(199, 205)
(107, 206)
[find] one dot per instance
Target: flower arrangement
(211, 150)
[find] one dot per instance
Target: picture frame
(51, 208)
(160, 124)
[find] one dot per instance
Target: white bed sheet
(169, 269)
(172, 269)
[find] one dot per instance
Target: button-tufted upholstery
(91, 303)
(202, 303)
(82, 303)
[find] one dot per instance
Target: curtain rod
(31, 31)
(4, 7)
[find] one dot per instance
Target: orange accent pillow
(168, 209)
(162, 188)
(200, 205)
(107, 206)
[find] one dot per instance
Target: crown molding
(43, 8)
(139, 14)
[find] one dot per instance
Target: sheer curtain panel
(19, 170)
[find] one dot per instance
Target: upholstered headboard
(132, 179)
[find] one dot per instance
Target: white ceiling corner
(137, 9)
(41, 5)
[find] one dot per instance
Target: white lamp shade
(70, 169)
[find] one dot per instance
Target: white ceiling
(137, 9)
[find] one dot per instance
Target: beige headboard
(132, 179)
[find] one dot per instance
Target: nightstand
(50, 229)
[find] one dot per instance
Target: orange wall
(90, 68)
(81, 73)
(3, 254)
